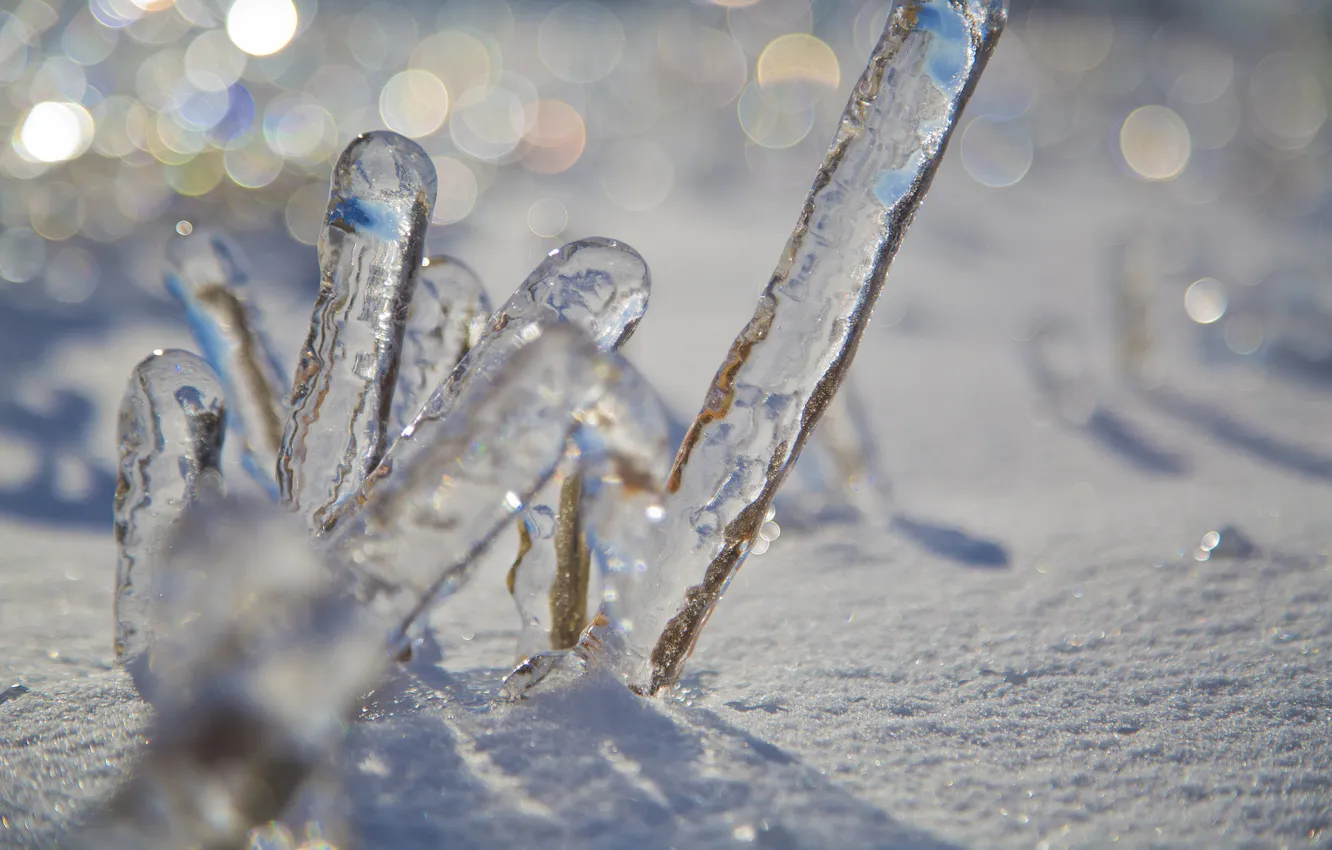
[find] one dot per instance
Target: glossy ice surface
(204, 273)
(785, 366)
(370, 250)
(171, 427)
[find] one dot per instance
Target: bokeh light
(54, 131)
(305, 210)
(252, 166)
(213, 62)
(22, 255)
(261, 27)
(554, 138)
(489, 122)
(56, 211)
(1288, 101)
(547, 218)
(460, 60)
(72, 275)
(414, 103)
(1155, 143)
(771, 121)
(581, 41)
(798, 57)
(1205, 301)
(996, 153)
(457, 193)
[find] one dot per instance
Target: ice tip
(385, 166)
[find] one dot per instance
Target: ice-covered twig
(204, 273)
(599, 285)
(446, 487)
(784, 367)
(170, 433)
(370, 251)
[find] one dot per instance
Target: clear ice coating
(785, 366)
(170, 433)
(448, 316)
(551, 577)
(370, 251)
(438, 499)
(599, 285)
(204, 272)
(284, 638)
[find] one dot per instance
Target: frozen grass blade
(205, 273)
(785, 366)
(170, 433)
(598, 285)
(445, 489)
(370, 251)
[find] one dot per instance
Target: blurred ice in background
(120, 118)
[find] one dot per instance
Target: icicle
(786, 364)
(170, 435)
(448, 316)
(369, 253)
(204, 273)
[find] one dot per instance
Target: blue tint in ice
(947, 55)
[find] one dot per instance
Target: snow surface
(1025, 655)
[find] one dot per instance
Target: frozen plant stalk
(784, 367)
(205, 275)
(172, 422)
(370, 251)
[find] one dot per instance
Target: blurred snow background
(1109, 333)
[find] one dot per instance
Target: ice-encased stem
(599, 285)
(285, 648)
(449, 313)
(444, 490)
(205, 274)
(786, 364)
(370, 251)
(170, 431)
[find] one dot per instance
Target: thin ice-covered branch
(784, 367)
